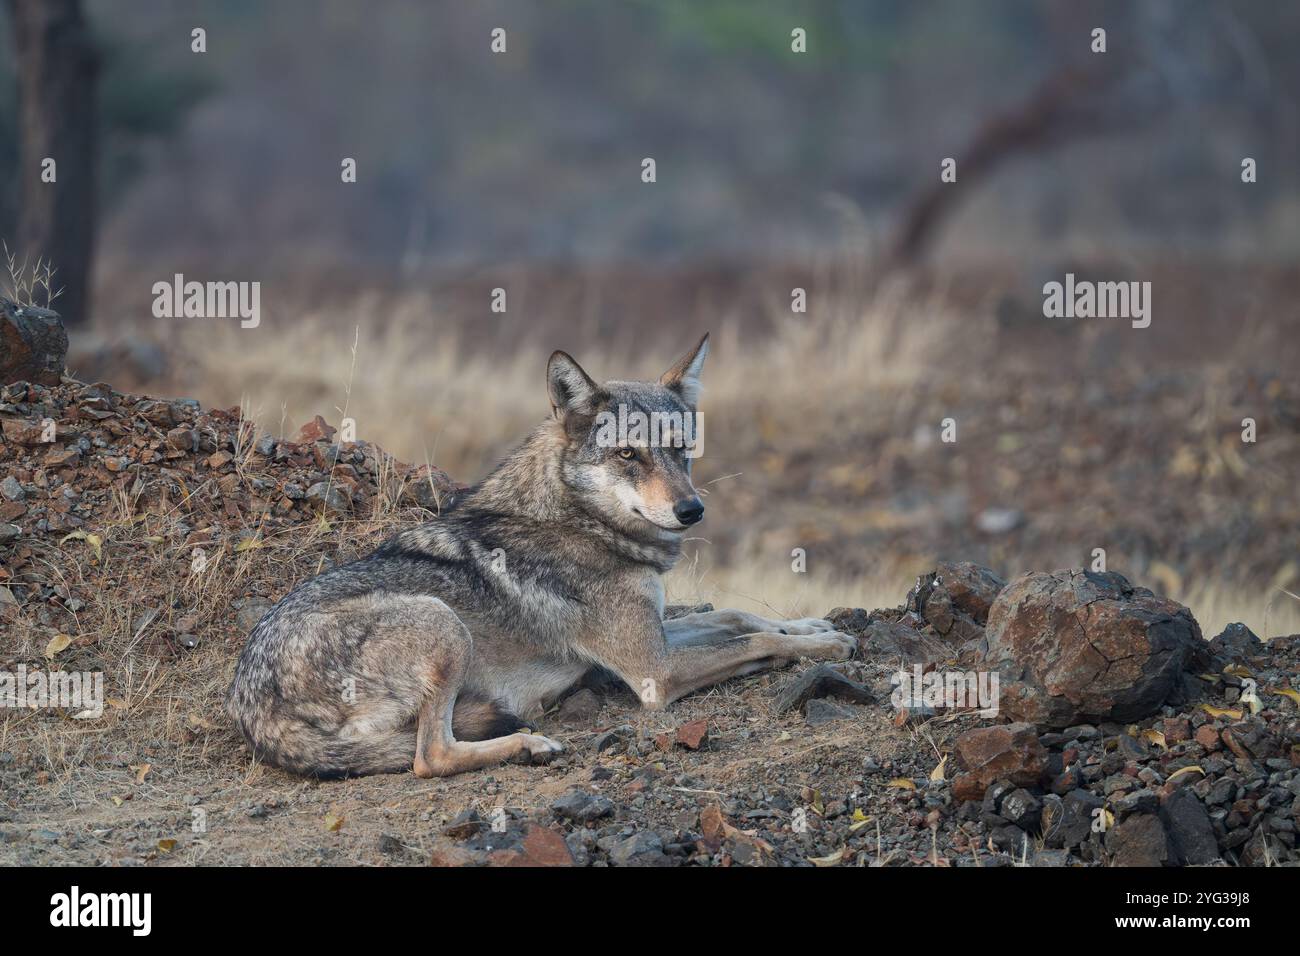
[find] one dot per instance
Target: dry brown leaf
(58, 643)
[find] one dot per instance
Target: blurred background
(775, 170)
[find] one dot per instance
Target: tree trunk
(57, 69)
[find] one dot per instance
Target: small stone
(12, 489)
(820, 681)
(579, 707)
(331, 496)
(818, 713)
(1021, 808)
(582, 807)
(692, 735)
(612, 739)
(464, 825)
(641, 849)
(1138, 841)
(1191, 835)
(1208, 737)
(315, 430)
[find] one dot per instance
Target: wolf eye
(627, 454)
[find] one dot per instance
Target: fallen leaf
(1222, 712)
(832, 860)
(141, 770)
(333, 823)
(1287, 692)
(936, 775)
(248, 544)
(901, 783)
(167, 845)
(1185, 770)
(1153, 736)
(1236, 670)
(94, 540)
(860, 820)
(58, 643)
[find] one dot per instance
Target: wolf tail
(478, 718)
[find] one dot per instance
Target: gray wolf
(432, 652)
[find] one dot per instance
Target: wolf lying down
(428, 652)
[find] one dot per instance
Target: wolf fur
(432, 652)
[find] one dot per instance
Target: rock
(1021, 808)
(1177, 730)
(579, 707)
(1262, 849)
(1077, 645)
(883, 641)
(1011, 839)
(1208, 737)
(8, 532)
(817, 682)
(315, 430)
(1068, 821)
(1138, 841)
(582, 807)
(331, 496)
(33, 344)
(1236, 642)
(614, 738)
(389, 845)
(183, 439)
(990, 753)
(818, 713)
(428, 487)
(536, 846)
(645, 848)
(692, 735)
(540, 846)
(955, 598)
(1191, 835)
(12, 489)
(464, 825)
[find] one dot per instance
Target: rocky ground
(142, 538)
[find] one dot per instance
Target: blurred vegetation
(144, 97)
(466, 156)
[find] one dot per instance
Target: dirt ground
(110, 810)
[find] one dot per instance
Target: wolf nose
(689, 511)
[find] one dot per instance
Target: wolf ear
(571, 389)
(684, 377)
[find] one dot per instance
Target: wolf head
(628, 446)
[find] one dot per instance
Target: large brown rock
(1076, 646)
(33, 344)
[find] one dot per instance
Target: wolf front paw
(536, 749)
(820, 646)
(804, 625)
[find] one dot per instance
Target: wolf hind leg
(440, 670)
